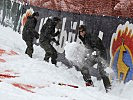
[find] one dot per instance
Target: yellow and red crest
(121, 52)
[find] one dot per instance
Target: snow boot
(108, 89)
(106, 83)
(89, 83)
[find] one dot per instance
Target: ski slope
(34, 79)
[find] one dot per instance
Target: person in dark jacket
(96, 54)
(47, 36)
(29, 33)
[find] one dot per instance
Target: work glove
(53, 39)
(57, 43)
(58, 32)
(96, 52)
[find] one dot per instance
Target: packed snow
(75, 53)
(44, 77)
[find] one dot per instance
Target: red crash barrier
(2, 60)
(2, 51)
(24, 87)
(7, 76)
(11, 52)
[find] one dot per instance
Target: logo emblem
(121, 52)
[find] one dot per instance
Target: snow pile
(75, 52)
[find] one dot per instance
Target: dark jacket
(48, 32)
(29, 32)
(8, 4)
(93, 42)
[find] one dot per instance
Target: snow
(44, 77)
(75, 53)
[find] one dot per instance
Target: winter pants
(29, 49)
(86, 74)
(50, 52)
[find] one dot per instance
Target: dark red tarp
(98, 7)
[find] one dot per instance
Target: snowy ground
(44, 77)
